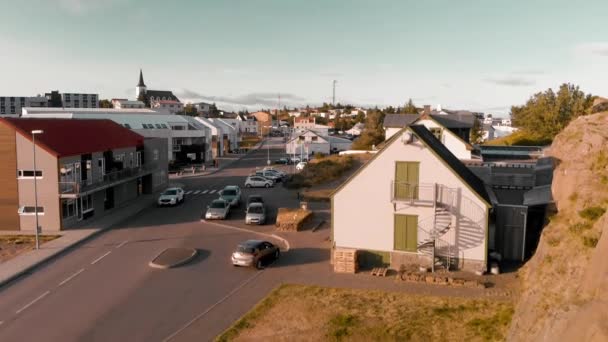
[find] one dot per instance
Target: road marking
(196, 192)
(188, 192)
(71, 277)
(101, 257)
(199, 316)
(204, 192)
(122, 244)
(33, 302)
(212, 191)
(275, 236)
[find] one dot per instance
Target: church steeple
(141, 79)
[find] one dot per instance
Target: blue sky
(468, 54)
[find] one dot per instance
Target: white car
(217, 210)
(171, 196)
(301, 165)
(258, 182)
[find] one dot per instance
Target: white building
(230, 132)
(75, 100)
(413, 203)
(357, 129)
(10, 106)
(311, 142)
(248, 124)
(203, 107)
(302, 124)
(187, 139)
(126, 104)
(167, 106)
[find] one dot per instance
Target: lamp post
(34, 132)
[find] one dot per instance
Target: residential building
(126, 104)
(264, 120)
(230, 134)
(10, 106)
(150, 96)
(488, 132)
(248, 124)
(357, 129)
(72, 100)
(302, 124)
(311, 142)
(425, 207)
(79, 172)
(167, 106)
(219, 144)
(187, 140)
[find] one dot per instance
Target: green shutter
(406, 180)
(406, 233)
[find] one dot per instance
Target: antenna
(333, 101)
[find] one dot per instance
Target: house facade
(264, 120)
(413, 203)
(167, 106)
(311, 142)
(79, 173)
(10, 106)
(247, 125)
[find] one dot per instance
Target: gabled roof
(66, 137)
(141, 79)
(451, 161)
(160, 94)
(399, 120)
(454, 121)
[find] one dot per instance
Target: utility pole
(333, 99)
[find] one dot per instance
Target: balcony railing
(108, 179)
(408, 192)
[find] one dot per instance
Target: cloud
(265, 99)
(79, 7)
(597, 48)
(512, 81)
(529, 72)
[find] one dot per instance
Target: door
(77, 173)
(406, 180)
(101, 164)
(109, 201)
(406, 233)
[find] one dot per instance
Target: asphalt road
(105, 291)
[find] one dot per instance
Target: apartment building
(84, 169)
(10, 106)
(72, 100)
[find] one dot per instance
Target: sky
(478, 55)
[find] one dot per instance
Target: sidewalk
(71, 237)
(224, 162)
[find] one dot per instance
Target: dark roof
(399, 120)
(456, 165)
(141, 79)
(68, 137)
(454, 121)
(160, 94)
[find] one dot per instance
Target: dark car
(255, 253)
(283, 161)
(254, 199)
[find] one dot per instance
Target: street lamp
(34, 132)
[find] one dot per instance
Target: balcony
(75, 189)
(422, 194)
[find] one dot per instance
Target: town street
(104, 290)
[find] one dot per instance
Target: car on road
(282, 161)
(256, 253)
(301, 165)
(269, 175)
(218, 209)
(171, 196)
(232, 195)
(254, 199)
(295, 160)
(255, 214)
(272, 169)
(258, 182)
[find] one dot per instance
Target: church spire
(141, 79)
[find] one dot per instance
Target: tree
(390, 110)
(143, 98)
(409, 108)
(105, 103)
(547, 113)
(190, 110)
(476, 132)
(373, 134)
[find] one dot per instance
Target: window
(30, 210)
(436, 132)
(164, 126)
(87, 203)
(315, 138)
(137, 159)
(12, 109)
(28, 174)
(68, 208)
(127, 126)
(155, 154)
(406, 180)
(119, 157)
(406, 233)
(131, 159)
(158, 126)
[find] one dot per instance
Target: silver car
(217, 210)
(256, 214)
(255, 253)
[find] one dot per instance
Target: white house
(219, 143)
(311, 142)
(489, 132)
(413, 203)
(230, 132)
(357, 129)
(167, 106)
(248, 125)
(126, 104)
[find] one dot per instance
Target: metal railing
(73, 188)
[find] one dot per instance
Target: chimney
(427, 110)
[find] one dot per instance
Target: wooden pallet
(379, 271)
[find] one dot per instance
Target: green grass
(321, 171)
(341, 326)
(592, 213)
(519, 138)
(489, 328)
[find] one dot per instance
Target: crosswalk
(199, 192)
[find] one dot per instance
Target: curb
(193, 254)
(274, 236)
(63, 251)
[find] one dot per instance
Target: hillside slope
(565, 284)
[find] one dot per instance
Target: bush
(322, 171)
(592, 213)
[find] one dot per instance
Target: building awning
(539, 195)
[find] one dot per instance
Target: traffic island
(173, 257)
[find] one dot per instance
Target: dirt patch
(13, 245)
(312, 313)
(292, 220)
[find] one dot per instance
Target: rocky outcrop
(564, 290)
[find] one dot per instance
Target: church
(150, 96)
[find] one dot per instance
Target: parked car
(269, 175)
(255, 214)
(295, 160)
(232, 195)
(283, 161)
(272, 169)
(258, 182)
(254, 199)
(301, 165)
(217, 210)
(171, 196)
(255, 253)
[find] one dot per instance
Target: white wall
(450, 140)
(363, 213)
(390, 131)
